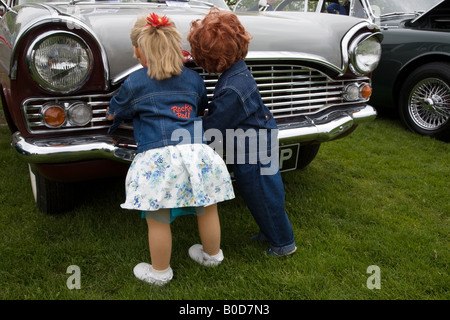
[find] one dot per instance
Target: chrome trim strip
(368, 10)
(291, 55)
(280, 56)
(124, 74)
(66, 149)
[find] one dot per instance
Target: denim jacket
(158, 108)
(237, 105)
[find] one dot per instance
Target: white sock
(217, 257)
(161, 272)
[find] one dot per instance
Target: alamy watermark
(374, 281)
(242, 146)
(74, 281)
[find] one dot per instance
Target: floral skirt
(187, 175)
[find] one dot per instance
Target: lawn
(375, 200)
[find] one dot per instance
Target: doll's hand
(109, 116)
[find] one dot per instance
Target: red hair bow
(155, 21)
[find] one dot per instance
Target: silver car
(60, 63)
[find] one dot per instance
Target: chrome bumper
(325, 126)
(318, 128)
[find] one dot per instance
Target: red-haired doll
(219, 44)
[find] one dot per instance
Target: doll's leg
(209, 230)
(265, 197)
(208, 253)
(160, 242)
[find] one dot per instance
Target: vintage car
(61, 62)
(414, 71)
(413, 75)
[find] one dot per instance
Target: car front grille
(292, 90)
(288, 90)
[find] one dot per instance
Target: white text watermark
(241, 146)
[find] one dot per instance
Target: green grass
(377, 197)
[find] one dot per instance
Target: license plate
(289, 156)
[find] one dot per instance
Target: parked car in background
(61, 62)
(414, 71)
(413, 75)
(353, 8)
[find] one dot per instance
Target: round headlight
(60, 61)
(80, 114)
(366, 55)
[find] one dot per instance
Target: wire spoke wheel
(429, 104)
(424, 100)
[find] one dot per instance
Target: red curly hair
(218, 41)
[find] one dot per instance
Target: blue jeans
(264, 197)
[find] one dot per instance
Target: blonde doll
(168, 172)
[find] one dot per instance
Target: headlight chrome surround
(365, 53)
(60, 61)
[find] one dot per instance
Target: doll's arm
(120, 108)
(225, 111)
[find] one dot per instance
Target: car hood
(442, 7)
(276, 34)
(411, 19)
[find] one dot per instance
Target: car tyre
(425, 99)
(307, 154)
(51, 197)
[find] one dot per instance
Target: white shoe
(145, 272)
(197, 254)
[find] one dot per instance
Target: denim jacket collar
(238, 67)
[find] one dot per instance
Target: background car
(61, 62)
(413, 75)
(414, 71)
(354, 8)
